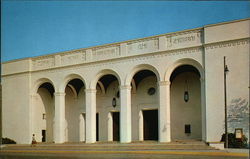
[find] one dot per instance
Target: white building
(132, 90)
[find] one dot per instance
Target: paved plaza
(194, 150)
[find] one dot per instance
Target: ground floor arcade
(147, 109)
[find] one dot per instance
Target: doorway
(116, 126)
(97, 127)
(150, 124)
(43, 135)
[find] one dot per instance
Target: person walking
(33, 143)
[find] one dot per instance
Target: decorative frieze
(106, 53)
(43, 63)
(185, 39)
(227, 44)
(144, 46)
(75, 57)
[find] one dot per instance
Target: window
(44, 116)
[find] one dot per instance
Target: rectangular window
(44, 116)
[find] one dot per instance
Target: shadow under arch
(68, 78)
(103, 73)
(180, 62)
(140, 68)
(39, 82)
(43, 109)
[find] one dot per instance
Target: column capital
(125, 87)
(164, 83)
(90, 90)
(59, 94)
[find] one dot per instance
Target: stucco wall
(189, 112)
(237, 60)
(16, 108)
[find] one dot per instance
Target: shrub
(235, 143)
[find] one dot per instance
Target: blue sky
(34, 28)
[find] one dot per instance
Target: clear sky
(34, 28)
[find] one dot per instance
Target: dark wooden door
(116, 126)
(43, 135)
(97, 127)
(150, 124)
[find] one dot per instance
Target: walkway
(117, 150)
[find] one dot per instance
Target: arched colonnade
(110, 107)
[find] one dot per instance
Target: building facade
(166, 88)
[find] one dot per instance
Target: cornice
(228, 22)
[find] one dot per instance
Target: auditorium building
(168, 87)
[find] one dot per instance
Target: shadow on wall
(8, 141)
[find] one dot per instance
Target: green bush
(235, 143)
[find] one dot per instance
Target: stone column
(110, 127)
(203, 109)
(90, 115)
(164, 111)
(125, 119)
(82, 128)
(141, 137)
(59, 134)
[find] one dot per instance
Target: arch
(133, 86)
(42, 105)
(73, 90)
(69, 78)
(180, 62)
(102, 87)
(102, 73)
(39, 82)
(139, 68)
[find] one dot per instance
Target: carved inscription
(43, 63)
(143, 46)
(106, 53)
(179, 41)
(73, 58)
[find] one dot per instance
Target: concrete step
(116, 146)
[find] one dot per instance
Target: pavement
(176, 150)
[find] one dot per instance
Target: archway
(75, 110)
(108, 108)
(43, 113)
(185, 103)
(144, 105)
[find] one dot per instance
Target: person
(33, 140)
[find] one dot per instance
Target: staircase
(116, 146)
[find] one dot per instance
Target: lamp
(226, 70)
(186, 95)
(114, 102)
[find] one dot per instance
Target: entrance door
(150, 124)
(43, 135)
(116, 126)
(97, 127)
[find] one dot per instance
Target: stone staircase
(116, 146)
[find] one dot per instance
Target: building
(166, 87)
